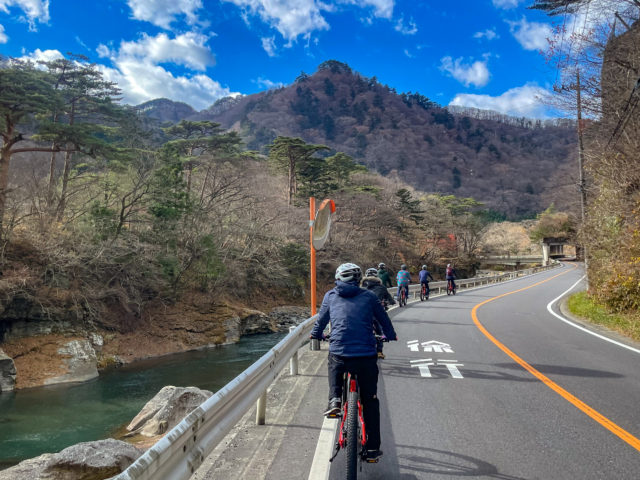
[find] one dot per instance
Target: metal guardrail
(440, 287)
(181, 451)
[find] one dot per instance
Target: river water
(49, 419)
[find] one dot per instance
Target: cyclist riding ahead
(404, 279)
(352, 311)
(424, 279)
(383, 275)
(450, 274)
(373, 283)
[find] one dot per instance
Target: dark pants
(366, 368)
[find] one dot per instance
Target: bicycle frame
(353, 431)
(352, 384)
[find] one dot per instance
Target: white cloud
(410, 29)
(3, 36)
(188, 49)
(382, 8)
(35, 10)
(267, 84)
(104, 51)
(531, 35)
(42, 56)
(475, 73)
(269, 45)
(291, 18)
(489, 34)
(506, 4)
(527, 100)
(164, 12)
(144, 81)
(137, 72)
(294, 18)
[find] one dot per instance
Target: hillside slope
(516, 168)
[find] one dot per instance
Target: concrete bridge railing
(183, 449)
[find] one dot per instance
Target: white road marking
(413, 345)
(569, 322)
(423, 366)
(453, 367)
(437, 347)
(321, 466)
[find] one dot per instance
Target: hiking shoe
(372, 456)
(381, 355)
(334, 407)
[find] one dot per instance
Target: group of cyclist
(403, 278)
(359, 325)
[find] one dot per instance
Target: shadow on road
(440, 462)
(402, 368)
(564, 370)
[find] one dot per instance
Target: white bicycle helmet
(424, 267)
(381, 266)
(348, 272)
(371, 272)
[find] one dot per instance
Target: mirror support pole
(312, 217)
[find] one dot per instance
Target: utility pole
(582, 185)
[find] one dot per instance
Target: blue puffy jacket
(352, 311)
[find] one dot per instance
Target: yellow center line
(595, 415)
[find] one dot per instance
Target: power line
(627, 112)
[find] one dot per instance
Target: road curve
(505, 390)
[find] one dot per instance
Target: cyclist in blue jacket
(352, 311)
(424, 278)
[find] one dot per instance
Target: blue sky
(480, 53)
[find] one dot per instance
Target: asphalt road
(544, 401)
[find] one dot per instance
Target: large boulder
(80, 361)
(7, 373)
(166, 410)
(97, 460)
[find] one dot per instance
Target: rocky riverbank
(45, 352)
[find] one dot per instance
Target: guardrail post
(293, 361)
(261, 408)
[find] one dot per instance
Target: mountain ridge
(505, 162)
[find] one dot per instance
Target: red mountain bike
(424, 292)
(402, 298)
(451, 289)
(353, 431)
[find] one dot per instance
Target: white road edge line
(569, 322)
(320, 467)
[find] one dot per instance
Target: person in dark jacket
(373, 283)
(352, 311)
(425, 275)
(383, 275)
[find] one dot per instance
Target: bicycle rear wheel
(352, 436)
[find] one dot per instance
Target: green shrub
(585, 306)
